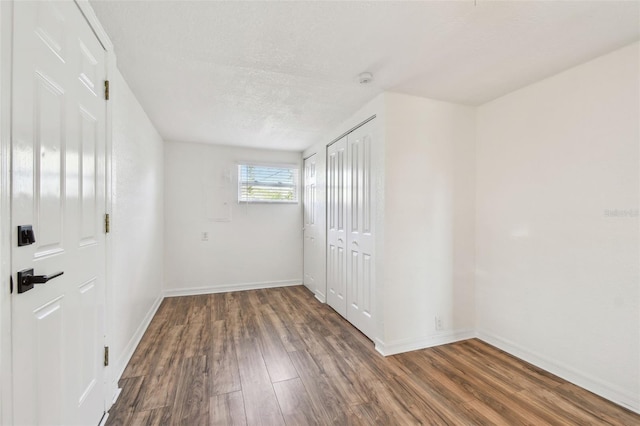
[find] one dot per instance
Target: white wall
(429, 244)
(260, 246)
(558, 274)
(136, 237)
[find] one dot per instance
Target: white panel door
(336, 226)
(360, 236)
(312, 252)
(58, 175)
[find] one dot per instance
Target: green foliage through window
(270, 184)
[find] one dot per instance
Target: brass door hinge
(106, 90)
(107, 223)
(106, 356)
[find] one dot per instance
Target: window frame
(291, 166)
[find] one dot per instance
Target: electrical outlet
(205, 236)
(438, 323)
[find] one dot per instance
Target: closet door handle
(355, 243)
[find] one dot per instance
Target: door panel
(58, 180)
(48, 322)
(361, 280)
(49, 116)
(336, 235)
(88, 182)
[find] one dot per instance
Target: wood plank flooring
(278, 356)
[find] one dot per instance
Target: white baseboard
(321, 297)
(193, 291)
(606, 390)
(103, 422)
(128, 351)
(116, 395)
(407, 345)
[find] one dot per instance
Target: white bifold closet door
(350, 236)
(336, 226)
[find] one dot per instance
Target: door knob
(26, 279)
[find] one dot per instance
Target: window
(258, 183)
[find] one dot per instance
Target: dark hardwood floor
(278, 356)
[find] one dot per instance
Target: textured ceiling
(280, 75)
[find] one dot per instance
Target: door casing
(6, 391)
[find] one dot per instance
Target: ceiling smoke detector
(365, 78)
